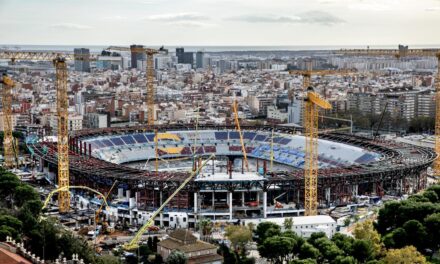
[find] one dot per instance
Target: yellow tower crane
(151, 93)
(404, 51)
(310, 123)
(59, 60)
(8, 139)
(312, 104)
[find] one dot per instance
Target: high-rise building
(138, 56)
(184, 57)
(82, 59)
(179, 54)
(199, 59)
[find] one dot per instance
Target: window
(184, 219)
(171, 218)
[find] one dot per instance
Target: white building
(305, 226)
(295, 111)
(274, 113)
(75, 122)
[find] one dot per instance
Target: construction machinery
(134, 243)
(312, 104)
(60, 62)
(237, 126)
(99, 211)
(310, 123)
(8, 139)
(404, 51)
(151, 93)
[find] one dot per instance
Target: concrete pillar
(355, 188)
(258, 198)
(327, 194)
(128, 194)
(195, 202)
(265, 204)
(213, 200)
(120, 193)
(161, 214)
(242, 199)
(230, 205)
(137, 196)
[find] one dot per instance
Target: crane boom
(8, 138)
(404, 51)
(133, 244)
(237, 125)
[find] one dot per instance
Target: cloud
(311, 17)
(114, 18)
(432, 9)
(70, 26)
(195, 24)
(178, 17)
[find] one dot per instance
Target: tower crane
(150, 75)
(8, 139)
(310, 123)
(60, 62)
(404, 51)
(312, 104)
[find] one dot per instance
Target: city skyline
(221, 22)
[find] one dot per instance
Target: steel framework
(404, 51)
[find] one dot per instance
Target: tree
(315, 236)
(396, 239)
(328, 248)
(432, 223)
(288, 223)
(155, 241)
(262, 228)
(343, 242)
(205, 226)
(431, 196)
(308, 251)
(177, 257)
(416, 234)
(344, 260)
(228, 256)
(276, 248)
(303, 261)
(363, 250)
(406, 255)
(366, 231)
(23, 193)
(239, 236)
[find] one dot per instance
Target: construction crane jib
(60, 63)
(404, 51)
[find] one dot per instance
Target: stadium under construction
(349, 166)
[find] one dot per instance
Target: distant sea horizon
(207, 48)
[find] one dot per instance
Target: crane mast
(59, 60)
(8, 139)
(404, 51)
(63, 134)
(312, 102)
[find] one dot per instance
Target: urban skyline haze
(220, 22)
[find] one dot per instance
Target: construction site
(233, 173)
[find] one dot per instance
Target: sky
(220, 22)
